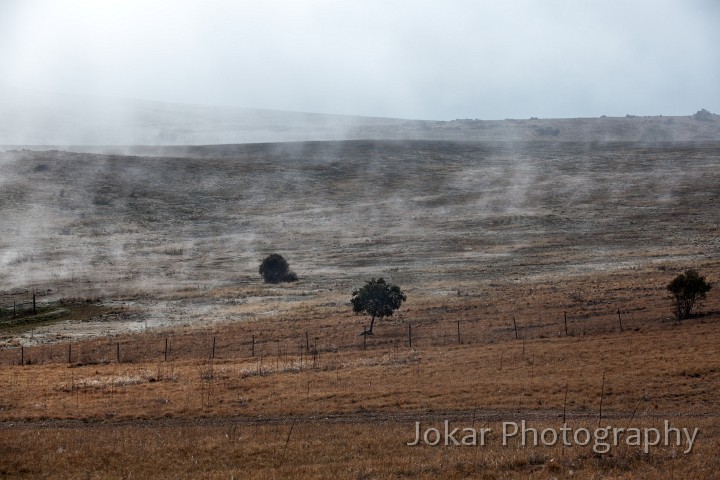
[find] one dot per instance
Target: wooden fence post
(212, 355)
(619, 319)
(515, 327)
(410, 334)
(70, 353)
(166, 348)
(117, 352)
(253, 346)
(34, 309)
(565, 315)
(458, 330)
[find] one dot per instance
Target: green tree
(687, 288)
(275, 269)
(377, 299)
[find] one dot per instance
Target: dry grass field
(168, 358)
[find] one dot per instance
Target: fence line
(305, 345)
(12, 313)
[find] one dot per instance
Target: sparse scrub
(175, 251)
(514, 229)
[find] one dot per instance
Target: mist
(401, 59)
(369, 145)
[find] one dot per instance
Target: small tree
(687, 288)
(275, 269)
(377, 299)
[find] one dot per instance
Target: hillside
(535, 276)
(37, 120)
(436, 216)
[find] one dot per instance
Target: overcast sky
(412, 59)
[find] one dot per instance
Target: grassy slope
(475, 233)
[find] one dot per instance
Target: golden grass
(325, 450)
(674, 370)
(353, 409)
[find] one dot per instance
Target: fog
(436, 204)
(400, 59)
(153, 232)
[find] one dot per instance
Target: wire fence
(17, 309)
(251, 342)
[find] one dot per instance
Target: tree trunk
(372, 322)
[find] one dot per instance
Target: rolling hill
(55, 120)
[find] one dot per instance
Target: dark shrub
(687, 289)
(703, 116)
(275, 269)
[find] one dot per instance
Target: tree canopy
(378, 299)
(687, 289)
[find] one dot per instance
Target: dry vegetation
(475, 235)
(352, 411)
(323, 449)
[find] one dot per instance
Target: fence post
(458, 328)
(565, 315)
(34, 309)
(166, 349)
(515, 327)
(619, 319)
(14, 309)
(70, 353)
(212, 355)
(117, 352)
(22, 355)
(253, 346)
(410, 334)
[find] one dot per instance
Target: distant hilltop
(37, 120)
(701, 126)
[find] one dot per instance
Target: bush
(703, 115)
(687, 289)
(275, 269)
